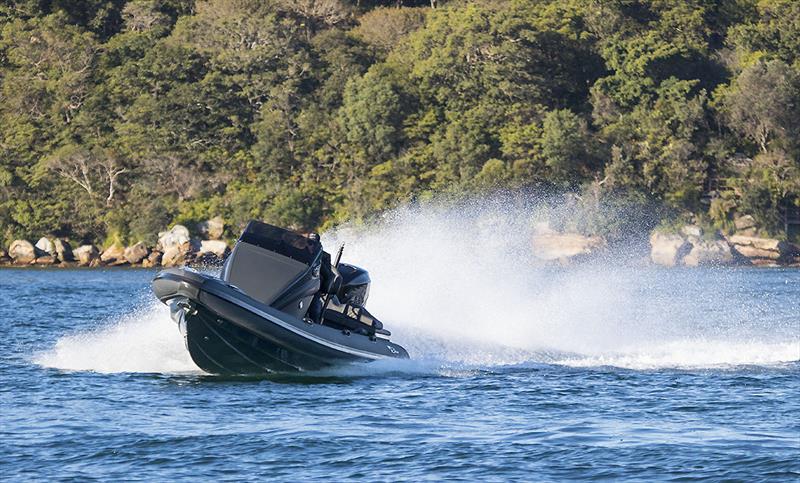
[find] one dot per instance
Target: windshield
(267, 261)
(287, 243)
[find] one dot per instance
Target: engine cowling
(355, 285)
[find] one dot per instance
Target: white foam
(144, 341)
(459, 286)
(457, 289)
(694, 354)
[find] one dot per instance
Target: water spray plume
(462, 288)
(464, 285)
(144, 341)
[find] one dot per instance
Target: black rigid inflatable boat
(280, 305)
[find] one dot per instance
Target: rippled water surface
(633, 373)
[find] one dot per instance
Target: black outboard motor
(355, 285)
(343, 292)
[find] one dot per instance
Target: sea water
(518, 372)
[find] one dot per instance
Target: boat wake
(146, 341)
(463, 287)
(461, 292)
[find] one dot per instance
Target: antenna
(335, 264)
(338, 255)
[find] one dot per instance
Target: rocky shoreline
(175, 247)
(672, 250)
(688, 246)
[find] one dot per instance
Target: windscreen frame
(284, 242)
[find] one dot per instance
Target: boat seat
(354, 318)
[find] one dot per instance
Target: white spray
(146, 340)
(461, 286)
(458, 289)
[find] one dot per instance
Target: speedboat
(280, 305)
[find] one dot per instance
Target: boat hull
(227, 332)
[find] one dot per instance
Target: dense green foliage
(119, 117)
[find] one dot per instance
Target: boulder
(177, 235)
(23, 252)
(4, 256)
(63, 250)
(46, 246)
(214, 247)
(212, 229)
(692, 231)
(702, 252)
(86, 254)
(136, 253)
(763, 248)
(745, 225)
(756, 253)
(175, 256)
(564, 246)
(210, 252)
(113, 254)
(770, 244)
(45, 260)
(668, 249)
(152, 260)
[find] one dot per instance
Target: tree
(773, 32)
(768, 184)
(371, 117)
(763, 104)
(122, 116)
(567, 147)
(316, 14)
(385, 28)
(96, 172)
(143, 15)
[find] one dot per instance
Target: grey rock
(551, 246)
(175, 256)
(756, 248)
(756, 242)
(212, 229)
(668, 249)
(112, 254)
(63, 250)
(177, 235)
(136, 253)
(744, 222)
(693, 231)
(45, 260)
(23, 252)
(704, 253)
(45, 245)
(152, 260)
(215, 247)
(86, 255)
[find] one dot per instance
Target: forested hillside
(119, 117)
